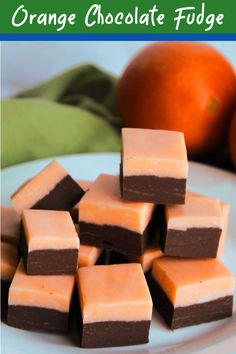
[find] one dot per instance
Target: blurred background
(28, 63)
(43, 83)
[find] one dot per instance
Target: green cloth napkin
(70, 113)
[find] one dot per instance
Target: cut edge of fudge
(194, 231)
(20, 316)
(145, 175)
(120, 233)
(26, 313)
(116, 332)
(58, 190)
(205, 309)
(151, 189)
(49, 261)
(113, 238)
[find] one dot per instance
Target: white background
(27, 63)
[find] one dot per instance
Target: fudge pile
(117, 245)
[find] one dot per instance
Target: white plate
(213, 337)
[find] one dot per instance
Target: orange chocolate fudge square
(191, 291)
(51, 189)
(49, 242)
(192, 229)
(105, 220)
(116, 306)
(40, 302)
(154, 166)
(10, 225)
(88, 255)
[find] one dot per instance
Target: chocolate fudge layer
(106, 221)
(154, 166)
(85, 185)
(49, 242)
(192, 229)
(52, 188)
(40, 302)
(10, 225)
(9, 261)
(188, 292)
(225, 213)
(116, 306)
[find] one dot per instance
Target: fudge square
(154, 166)
(116, 306)
(9, 262)
(10, 225)
(192, 229)
(52, 188)
(40, 302)
(106, 221)
(188, 292)
(49, 242)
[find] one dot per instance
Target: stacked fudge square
(41, 285)
(115, 301)
(121, 243)
(147, 216)
(150, 217)
(188, 283)
(40, 293)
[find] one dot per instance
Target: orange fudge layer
(114, 293)
(49, 291)
(198, 211)
(192, 281)
(10, 225)
(225, 212)
(150, 152)
(103, 205)
(9, 261)
(88, 255)
(147, 258)
(49, 229)
(85, 185)
(38, 187)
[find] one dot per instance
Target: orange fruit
(232, 139)
(182, 86)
